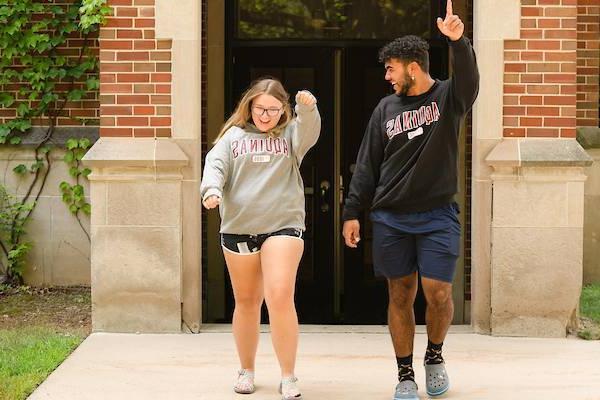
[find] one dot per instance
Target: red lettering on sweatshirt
(268, 145)
(412, 119)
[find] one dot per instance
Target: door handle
(341, 189)
(324, 189)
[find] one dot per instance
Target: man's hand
(451, 26)
(351, 232)
(305, 97)
(211, 202)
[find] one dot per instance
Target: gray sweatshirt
(257, 176)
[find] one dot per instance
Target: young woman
(253, 175)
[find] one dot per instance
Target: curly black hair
(407, 49)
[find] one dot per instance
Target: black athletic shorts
(251, 244)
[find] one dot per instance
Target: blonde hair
(242, 114)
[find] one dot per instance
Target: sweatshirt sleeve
(465, 79)
(307, 129)
(216, 169)
(367, 169)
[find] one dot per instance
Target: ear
(414, 68)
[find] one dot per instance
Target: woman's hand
(211, 202)
(306, 98)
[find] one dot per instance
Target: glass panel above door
(332, 19)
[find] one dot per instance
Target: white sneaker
(289, 388)
(245, 382)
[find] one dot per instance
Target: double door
(335, 284)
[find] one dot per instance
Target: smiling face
(398, 75)
(266, 112)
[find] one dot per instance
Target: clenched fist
(306, 98)
(351, 232)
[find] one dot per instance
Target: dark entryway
(335, 283)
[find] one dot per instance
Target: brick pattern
(135, 73)
(540, 71)
(75, 113)
(588, 60)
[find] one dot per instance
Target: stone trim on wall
(489, 36)
(537, 235)
(144, 181)
(143, 152)
(538, 153)
(60, 255)
(61, 134)
(137, 229)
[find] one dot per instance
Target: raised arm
(308, 124)
(465, 79)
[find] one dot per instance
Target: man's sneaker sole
(432, 394)
(403, 389)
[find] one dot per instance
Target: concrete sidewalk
(351, 366)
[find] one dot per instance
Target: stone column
(537, 235)
(151, 56)
(181, 21)
(489, 35)
(136, 230)
(589, 138)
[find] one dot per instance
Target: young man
(406, 176)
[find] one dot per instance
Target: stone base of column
(537, 235)
(589, 138)
(136, 230)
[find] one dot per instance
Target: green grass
(590, 312)
(590, 302)
(28, 356)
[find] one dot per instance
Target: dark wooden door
(301, 68)
(365, 296)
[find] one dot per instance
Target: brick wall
(588, 59)
(540, 71)
(135, 73)
(86, 108)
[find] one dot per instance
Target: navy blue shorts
(251, 244)
(427, 242)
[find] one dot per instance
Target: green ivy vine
(37, 81)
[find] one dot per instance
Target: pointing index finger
(448, 8)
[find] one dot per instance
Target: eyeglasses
(271, 112)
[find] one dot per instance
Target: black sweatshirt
(408, 158)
